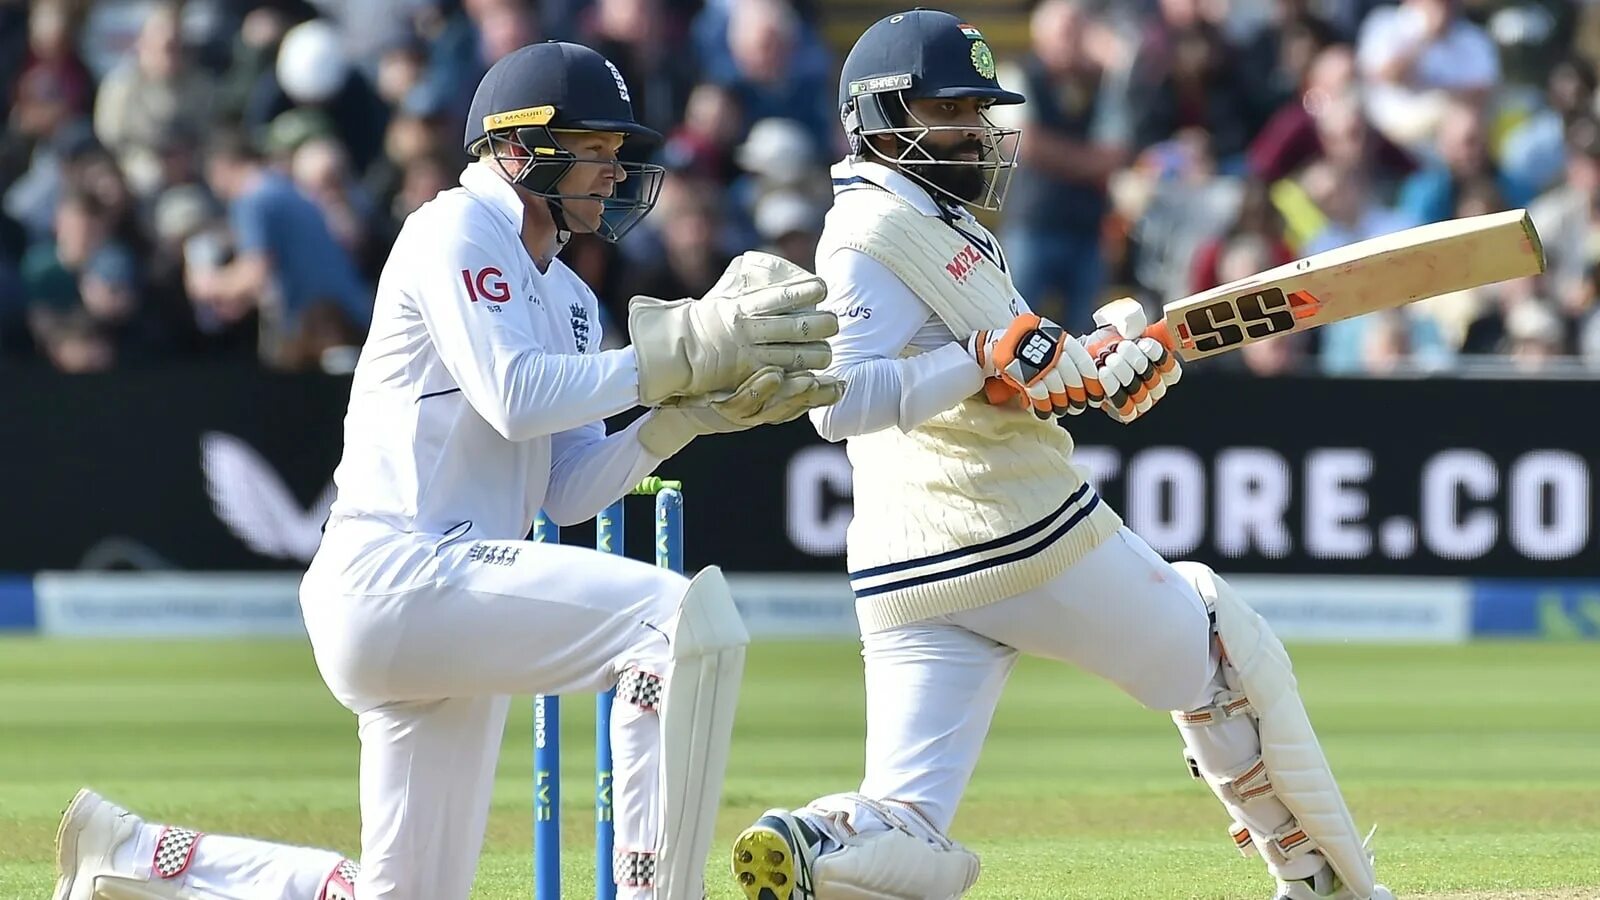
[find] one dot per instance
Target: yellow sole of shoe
(763, 865)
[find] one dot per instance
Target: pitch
(1480, 764)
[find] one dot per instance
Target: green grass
(1480, 763)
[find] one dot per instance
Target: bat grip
(1105, 337)
(1097, 343)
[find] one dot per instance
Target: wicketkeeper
(479, 399)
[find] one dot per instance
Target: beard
(966, 180)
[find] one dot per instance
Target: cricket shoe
(1325, 885)
(772, 859)
(91, 830)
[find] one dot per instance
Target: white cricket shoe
(1325, 885)
(772, 858)
(91, 830)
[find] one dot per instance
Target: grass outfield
(1481, 765)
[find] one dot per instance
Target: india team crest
(983, 59)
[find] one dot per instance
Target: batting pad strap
(1227, 705)
(634, 868)
(1251, 783)
(640, 688)
(1290, 843)
(341, 882)
(174, 851)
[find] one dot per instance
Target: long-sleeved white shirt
(879, 317)
(481, 391)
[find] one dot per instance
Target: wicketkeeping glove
(1034, 360)
(762, 312)
(769, 397)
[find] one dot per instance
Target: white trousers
(932, 687)
(1122, 613)
(429, 668)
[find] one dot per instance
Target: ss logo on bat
(1226, 322)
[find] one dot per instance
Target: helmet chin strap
(558, 214)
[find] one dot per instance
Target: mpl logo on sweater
(961, 265)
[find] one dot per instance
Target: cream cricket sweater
(978, 503)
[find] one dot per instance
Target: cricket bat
(1379, 273)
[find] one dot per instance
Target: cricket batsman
(479, 399)
(976, 538)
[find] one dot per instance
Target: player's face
(595, 175)
(956, 134)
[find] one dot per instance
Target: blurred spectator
(1463, 157)
(1256, 218)
(313, 72)
(790, 224)
(250, 62)
(703, 144)
(321, 169)
(687, 227)
(52, 48)
(1075, 137)
(1535, 336)
(1195, 84)
(425, 177)
(503, 26)
(287, 264)
(51, 267)
(1566, 214)
(1385, 343)
(1291, 36)
(1416, 58)
(33, 151)
(1455, 312)
(645, 46)
(149, 96)
(779, 155)
(1188, 202)
(773, 62)
(1534, 150)
(1291, 139)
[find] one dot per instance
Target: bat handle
(1097, 343)
(1105, 337)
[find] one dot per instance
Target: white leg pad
(702, 694)
(1298, 771)
(896, 864)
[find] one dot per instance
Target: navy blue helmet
(926, 54)
(532, 95)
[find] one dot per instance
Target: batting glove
(1135, 372)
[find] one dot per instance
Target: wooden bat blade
(1379, 273)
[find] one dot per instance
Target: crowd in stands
(222, 179)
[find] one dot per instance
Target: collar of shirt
(848, 172)
(495, 191)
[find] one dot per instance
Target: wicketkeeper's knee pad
(1292, 768)
(908, 861)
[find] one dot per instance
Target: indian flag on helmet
(971, 31)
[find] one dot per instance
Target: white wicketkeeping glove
(762, 312)
(769, 397)
(1135, 373)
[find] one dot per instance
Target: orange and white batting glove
(1035, 361)
(1134, 371)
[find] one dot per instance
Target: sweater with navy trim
(979, 503)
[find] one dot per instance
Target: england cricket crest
(580, 326)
